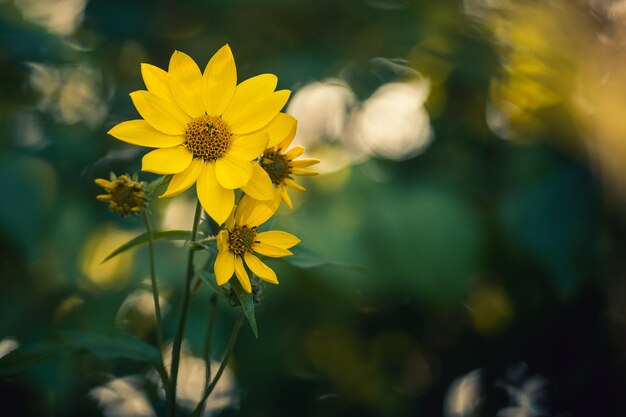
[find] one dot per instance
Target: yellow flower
(240, 239)
(125, 195)
(207, 128)
(280, 164)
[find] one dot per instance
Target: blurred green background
(470, 211)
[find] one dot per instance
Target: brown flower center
(275, 165)
(241, 239)
(207, 137)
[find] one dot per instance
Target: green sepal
(143, 238)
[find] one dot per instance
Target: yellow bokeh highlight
(490, 310)
(114, 273)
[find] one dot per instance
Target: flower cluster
(222, 136)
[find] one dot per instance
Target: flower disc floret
(275, 165)
(207, 137)
(241, 239)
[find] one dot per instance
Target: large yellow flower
(207, 128)
(280, 164)
(240, 239)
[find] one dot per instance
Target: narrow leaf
(143, 238)
(247, 303)
(106, 346)
(304, 257)
(209, 279)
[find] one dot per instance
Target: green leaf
(105, 346)
(208, 278)
(143, 238)
(155, 186)
(306, 258)
(247, 303)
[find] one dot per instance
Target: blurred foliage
(502, 242)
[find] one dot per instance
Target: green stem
(227, 354)
(207, 340)
(178, 340)
(155, 296)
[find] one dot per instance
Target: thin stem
(227, 354)
(178, 340)
(155, 296)
(207, 340)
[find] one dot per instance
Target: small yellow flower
(240, 239)
(280, 165)
(125, 195)
(207, 128)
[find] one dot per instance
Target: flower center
(241, 239)
(275, 165)
(207, 137)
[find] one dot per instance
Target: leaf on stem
(104, 346)
(247, 304)
(143, 238)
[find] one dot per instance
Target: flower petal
(252, 213)
(232, 172)
(139, 132)
(224, 266)
(223, 240)
(248, 92)
(242, 274)
(277, 238)
(167, 160)
(271, 251)
(259, 269)
(291, 183)
(259, 113)
(186, 83)
(294, 152)
(184, 180)
(304, 172)
(216, 200)
(248, 147)
(285, 196)
(281, 128)
(157, 81)
(160, 113)
(219, 81)
(260, 185)
(307, 162)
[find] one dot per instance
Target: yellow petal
(291, 183)
(260, 185)
(224, 266)
(216, 200)
(242, 274)
(230, 221)
(167, 160)
(104, 183)
(248, 92)
(303, 172)
(140, 133)
(307, 162)
(294, 152)
(259, 269)
(259, 113)
(219, 81)
(160, 113)
(232, 172)
(222, 240)
(248, 147)
(277, 238)
(285, 196)
(269, 250)
(280, 129)
(252, 213)
(184, 180)
(186, 83)
(157, 81)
